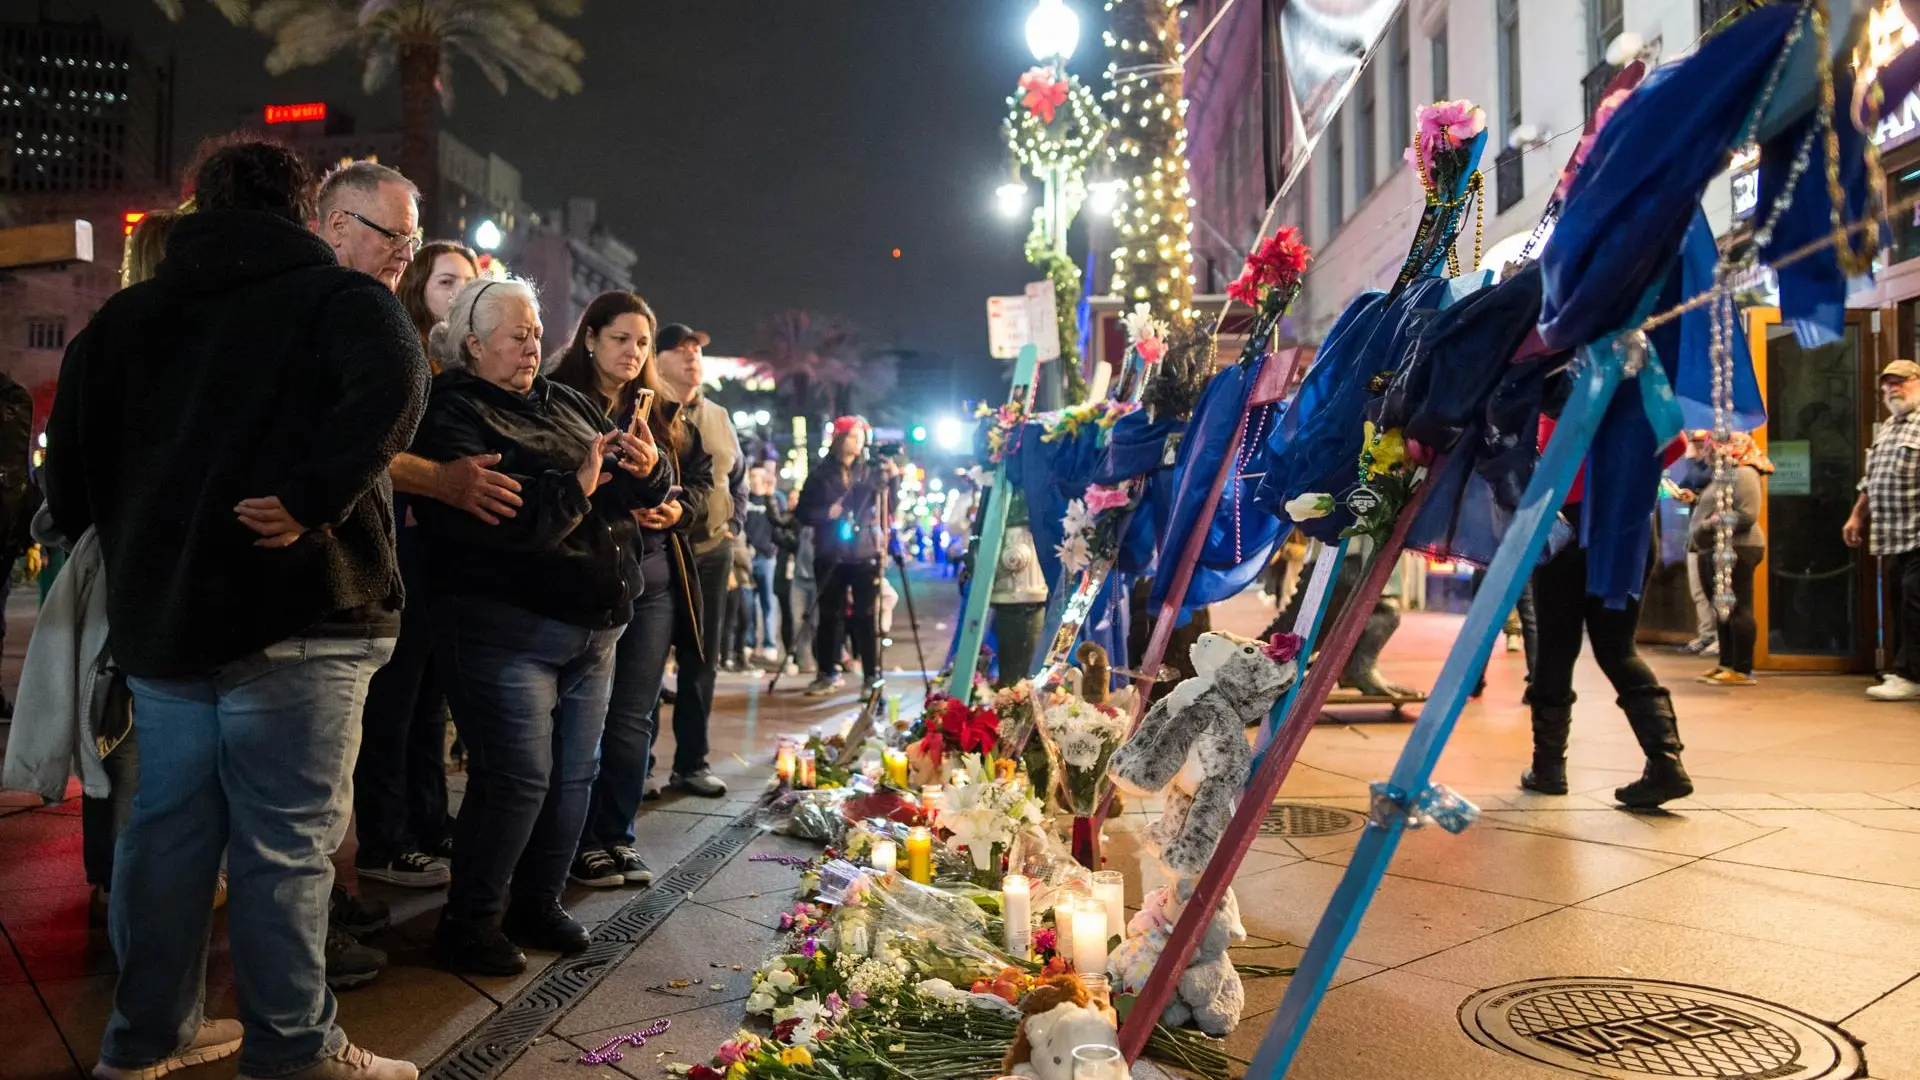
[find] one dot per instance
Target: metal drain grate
(1305, 819)
(1623, 1029)
(496, 1044)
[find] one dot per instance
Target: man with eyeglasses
(369, 215)
(1887, 518)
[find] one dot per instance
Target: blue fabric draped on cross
(1051, 475)
(1217, 417)
(1631, 224)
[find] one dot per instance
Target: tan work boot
(217, 1039)
(354, 1063)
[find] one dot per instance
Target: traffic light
(918, 433)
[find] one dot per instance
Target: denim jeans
(400, 780)
(763, 609)
(530, 699)
(256, 759)
(102, 820)
(693, 704)
(626, 749)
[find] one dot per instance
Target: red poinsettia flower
(1042, 93)
(1245, 289)
(1283, 258)
(979, 731)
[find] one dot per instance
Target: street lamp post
(1053, 31)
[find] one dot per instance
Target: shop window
(47, 333)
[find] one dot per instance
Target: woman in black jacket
(610, 361)
(527, 616)
(848, 503)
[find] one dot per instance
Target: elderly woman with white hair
(526, 618)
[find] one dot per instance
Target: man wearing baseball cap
(679, 355)
(1887, 517)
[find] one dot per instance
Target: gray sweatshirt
(1746, 512)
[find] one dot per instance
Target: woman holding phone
(527, 615)
(610, 360)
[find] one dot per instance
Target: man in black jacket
(227, 427)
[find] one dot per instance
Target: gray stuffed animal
(1195, 740)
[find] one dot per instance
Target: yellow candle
(783, 759)
(920, 856)
(896, 765)
(883, 856)
(805, 775)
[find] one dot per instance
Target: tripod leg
(919, 650)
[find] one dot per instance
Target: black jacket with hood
(252, 365)
(563, 555)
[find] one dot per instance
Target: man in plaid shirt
(1887, 515)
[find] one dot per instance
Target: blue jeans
(529, 696)
(254, 759)
(626, 749)
(762, 634)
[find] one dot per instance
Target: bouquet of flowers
(1082, 737)
(982, 815)
(951, 726)
(1273, 271)
(1001, 423)
(1092, 525)
(1439, 150)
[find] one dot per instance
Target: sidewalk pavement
(1790, 877)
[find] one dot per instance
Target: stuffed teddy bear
(1209, 995)
(1056, 1016)
(1195, 740)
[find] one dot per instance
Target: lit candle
(920, 855)
(932, 800)
(1063, 902)
(1090, 935)
(804, 775)
(1016, 905)
(883, 856)
(896, 766)
(783, 759)
(1110, 888)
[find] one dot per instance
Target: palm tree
(813, 361)
(419, 39)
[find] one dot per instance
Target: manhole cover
(1624, 1029)
(1301, 819)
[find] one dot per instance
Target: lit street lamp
(1052, 31)
(487, 236)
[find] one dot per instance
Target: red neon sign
(132, 218)
(295, 114)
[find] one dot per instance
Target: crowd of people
(328, 489)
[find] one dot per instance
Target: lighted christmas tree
(1153, 257)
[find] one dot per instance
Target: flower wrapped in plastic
(983, 813)
(1082, 737)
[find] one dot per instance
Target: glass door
(1813, 595)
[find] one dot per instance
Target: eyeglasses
(411, 241)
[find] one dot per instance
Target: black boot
(1549, 773)
(1654, 724)
(544, 924)
(477, 947)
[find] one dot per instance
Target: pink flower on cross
(1101, 498)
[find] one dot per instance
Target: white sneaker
(217, 1039)
(770, 654)
(1895, 688)
(353, 1063)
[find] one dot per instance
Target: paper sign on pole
(1043, 320)
(1006, 326)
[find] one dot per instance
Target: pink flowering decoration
(1152, 350)
(1100, 498)
(858, 1000)
(1446, 126)
(1045, 941)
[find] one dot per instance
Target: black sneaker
(349, 963)
(356, 916)
(652, 795)
(477, 947)
(668, 697)
(632, 866)
(544, 925)
(414, 870)
(597, 869)
(702, 783)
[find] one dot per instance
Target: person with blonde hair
(527, 615)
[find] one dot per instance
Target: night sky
(759, 155)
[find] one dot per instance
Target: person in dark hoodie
(847, 502)
(527, 615)
(226, 428)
